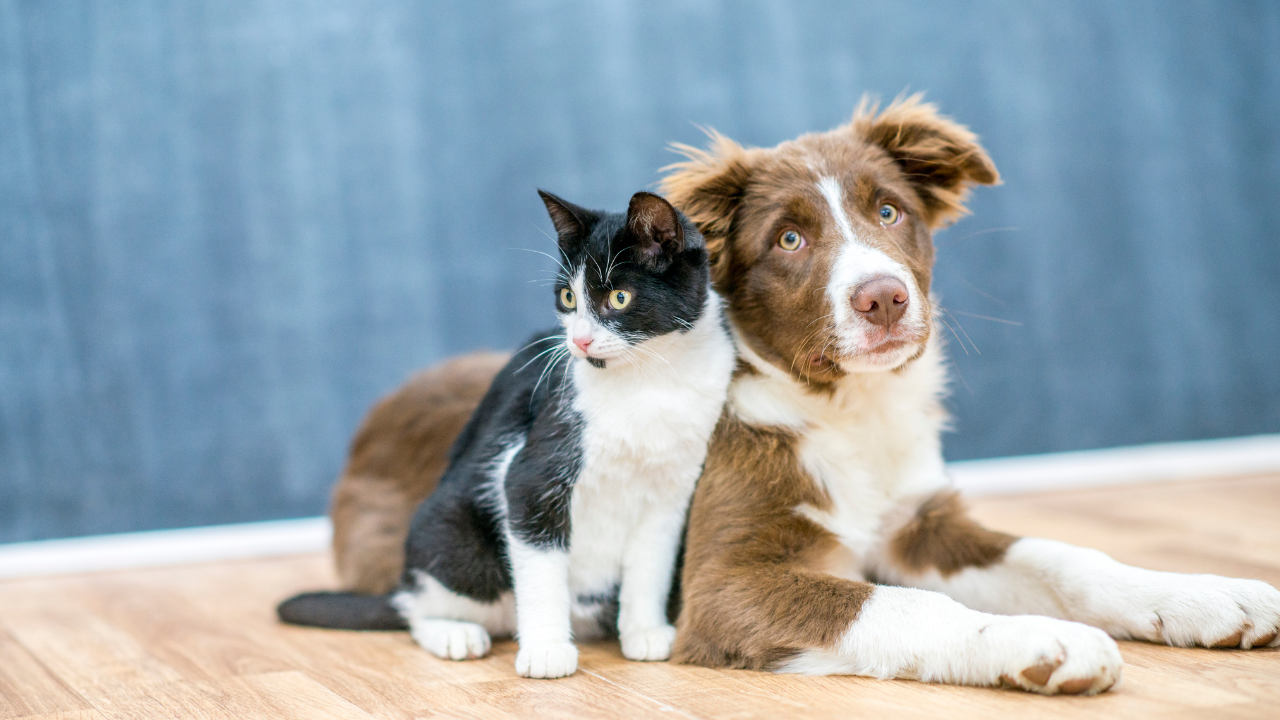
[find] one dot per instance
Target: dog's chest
(872, 449)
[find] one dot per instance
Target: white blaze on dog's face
(879, 313)
(823, 245)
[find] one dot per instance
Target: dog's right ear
(708, 188)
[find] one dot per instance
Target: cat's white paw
(1205, 611)
(451, 639)
(649, 643)
(1050, 656)
(546, 660)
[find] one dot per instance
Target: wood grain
(202, 641)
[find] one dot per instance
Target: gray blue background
(227, 227)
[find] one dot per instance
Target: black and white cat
(562, 512)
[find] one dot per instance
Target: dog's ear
(707, 187)
(939, 156)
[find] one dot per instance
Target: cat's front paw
(648, 643)
(546, 660)
(1052, 657)
(1210, 611)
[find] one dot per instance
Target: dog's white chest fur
(872, 445)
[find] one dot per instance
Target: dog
(825, 536)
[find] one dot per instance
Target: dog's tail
(342, 611)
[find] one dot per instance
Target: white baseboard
(157, 548)
(1030, 473)
(1255, 455)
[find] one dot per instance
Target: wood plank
(27, 687)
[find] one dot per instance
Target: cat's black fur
(456, 535)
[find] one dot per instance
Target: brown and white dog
(824, 535)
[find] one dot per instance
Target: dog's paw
(1050, 656)
(546, 660)
(451, 639)
(1208, 611)
(648, 644)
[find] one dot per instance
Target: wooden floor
(202, 641)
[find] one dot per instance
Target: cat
(562, 513)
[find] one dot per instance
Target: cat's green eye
(567, 299)
(619, 299)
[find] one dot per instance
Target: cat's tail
(342, 611)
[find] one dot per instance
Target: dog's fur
(825, 475)
(396, 459)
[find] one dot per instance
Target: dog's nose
(881, 300)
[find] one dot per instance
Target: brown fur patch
(751, 598)
(396, 459)
(943, 537)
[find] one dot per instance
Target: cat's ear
(939, 156)
(655, 227)
(572, 222)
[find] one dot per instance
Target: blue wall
(226, 227)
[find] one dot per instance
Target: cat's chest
(627, 415)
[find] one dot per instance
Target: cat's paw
(546, 660)
(649, 643)
(451, 639)
(1208, 611)
(1052, 657)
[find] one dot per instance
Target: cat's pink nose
(583, 342)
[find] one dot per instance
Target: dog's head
(823, 245)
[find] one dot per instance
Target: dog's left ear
(939, 156)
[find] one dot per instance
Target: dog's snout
(881, 300)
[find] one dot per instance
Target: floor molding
(156, 548)
(1255, 455)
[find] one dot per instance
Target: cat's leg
(647, 569)
(543, 610)
(450, 625)
(942, 549)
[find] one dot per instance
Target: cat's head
(626, 278)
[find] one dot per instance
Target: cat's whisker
(544, 352)
(557, 260)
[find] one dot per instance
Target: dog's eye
(567, 299)
(889, 214)
(619, 299)
(790, 241)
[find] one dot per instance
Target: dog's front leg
(927, 636)
(943, 549)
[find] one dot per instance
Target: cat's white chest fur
(645, 435)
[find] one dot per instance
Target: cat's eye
(619, 299)
(889, 214)
(790, 241)
(567, 299)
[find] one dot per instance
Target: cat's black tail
(342, 611)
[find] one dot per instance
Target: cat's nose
(583, 342)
